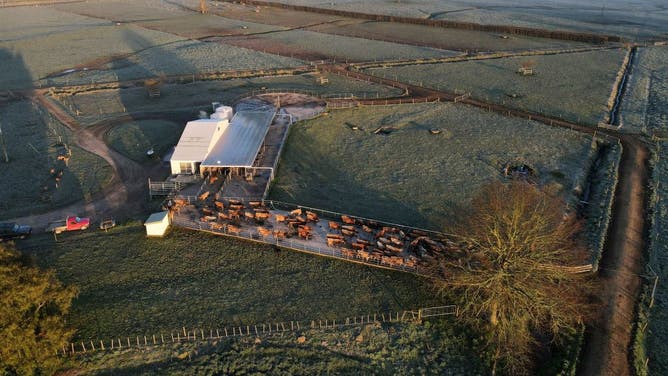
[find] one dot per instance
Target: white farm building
(223, 141)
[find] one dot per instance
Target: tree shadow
(38, 176)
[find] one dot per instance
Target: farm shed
(240, 144)
(197, 139)
(157, 224)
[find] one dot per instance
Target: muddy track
(609, 339)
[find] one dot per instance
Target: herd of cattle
(355, 238)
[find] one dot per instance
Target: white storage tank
(225, 112)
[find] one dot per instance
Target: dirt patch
(299, 106)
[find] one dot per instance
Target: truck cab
(77, 223)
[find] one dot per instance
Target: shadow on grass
(37, 177)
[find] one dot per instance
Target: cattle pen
(361, 244)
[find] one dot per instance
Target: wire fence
(201, 335)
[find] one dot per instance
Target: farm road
(125, 194)
(609, 340)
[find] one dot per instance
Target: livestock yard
(313, 159)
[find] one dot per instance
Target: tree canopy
(510, 279)
(34, 302)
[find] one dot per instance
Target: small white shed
(157, 224)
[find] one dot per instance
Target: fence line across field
(256, 330)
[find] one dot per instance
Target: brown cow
(348, 252)
(280, 218)
(364, 255)
(261, 216)
(347, 220)
(216, 226)
(359, 246)
(396, 240)
(222, 215)
(264, 231)
(347, 232)
(219, 205)
(394, 249)
(367, 229)
(234, 202)
(249, 215)
(207, 211)
(296, 212)
(213, 179)
(333, 242)
(333, 225)
(279, 234)
(311, 216)
(204, 195)
(233, 229)
(236, 206)
(255, 204)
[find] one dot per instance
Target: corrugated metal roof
(197, 139)
(241, 141)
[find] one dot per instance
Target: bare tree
(511, 279)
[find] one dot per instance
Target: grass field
(636, 20)
(129, 52)
(132, 285)
(33, 144)
(651, 343)
(574, 86)
(644, 103)
(96, 105)
(454, 39)
(133, 139)
(74, 48)
(31, 22)
(179, 57)
(341, 48)
(435, 348)
(411, 176)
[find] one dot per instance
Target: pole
(2, 143)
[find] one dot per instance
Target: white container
(225, 112)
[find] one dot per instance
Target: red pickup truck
(69, 224)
